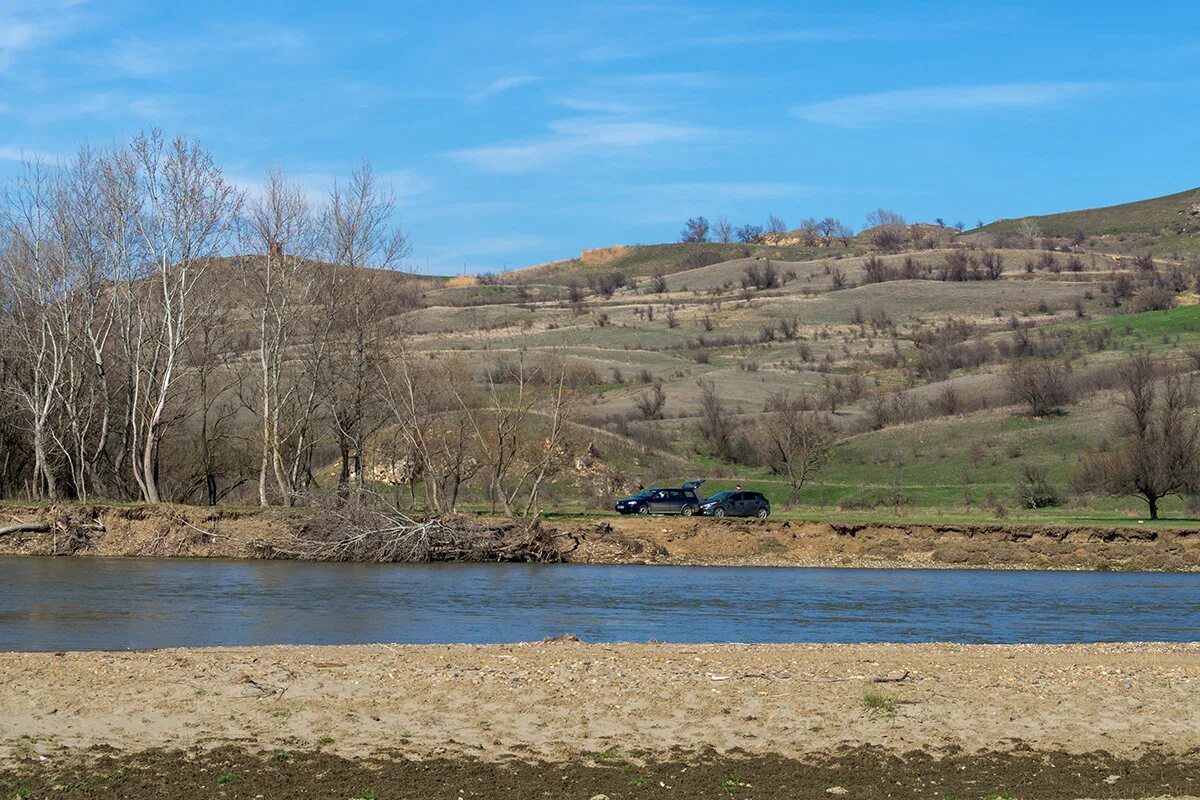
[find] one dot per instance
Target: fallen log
(26, 527)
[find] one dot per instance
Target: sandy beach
(1107, 720)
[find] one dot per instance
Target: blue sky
(521, 132)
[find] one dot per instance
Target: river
(92, 603)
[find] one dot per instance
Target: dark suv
(736, 503)
(663, 501)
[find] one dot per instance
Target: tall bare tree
(187, 214)
(279, 277)
(359, 232)
(38, 324)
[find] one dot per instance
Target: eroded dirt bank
(572, 720)
(168, 531)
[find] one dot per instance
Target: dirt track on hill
(185, 531)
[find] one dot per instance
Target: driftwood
(26, 527)
(385, 534)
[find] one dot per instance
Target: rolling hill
(1167, 226)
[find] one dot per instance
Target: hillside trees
(131, 343)
(1158, 454)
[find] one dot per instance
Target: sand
(1097, 708)
(556, 699)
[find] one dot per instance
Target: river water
(89, 604)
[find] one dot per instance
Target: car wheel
(719, 512)
(643, 510)
(687, 511)
(763, 513)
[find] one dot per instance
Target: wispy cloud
(866, 110)
(142, 58)
(26, 26)
(500, 86)
(9, 152)
(577, 137)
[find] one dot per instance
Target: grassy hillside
(1165, 225)
(640, 261)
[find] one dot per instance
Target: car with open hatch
(659, 500)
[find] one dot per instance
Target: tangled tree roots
(385, 534)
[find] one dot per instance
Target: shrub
(1034, 489)
(1044, 386)
(1153, 298)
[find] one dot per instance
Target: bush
(1044, 386)
(761, 276)
(1034, 489)
(1153, 298)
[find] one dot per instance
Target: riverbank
(231, 532)
(634, 720)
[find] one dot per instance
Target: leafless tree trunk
(279, 280)
(39, 321)
(187, 214)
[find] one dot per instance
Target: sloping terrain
(1166, 225)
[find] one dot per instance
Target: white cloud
(27, 26)
(577, 137)
(9, 152)
(502, 85)
(146, 58)
(865, 110)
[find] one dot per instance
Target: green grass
(882, 704)
(1158, 221)
(1152, 330)
(639, 261)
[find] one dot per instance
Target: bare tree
(887, 229)
(38, 323)
(717, 425)
(695, 230)
(187, 213)
(810, 231)
(1159, 451)
(359, 232)
(793, 441)
(279, 279)
(776, 228)
(723, 230)
(651, 402)
(750, 234)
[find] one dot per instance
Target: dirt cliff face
(184, 531)
(782, 542)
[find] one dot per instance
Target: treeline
(166, 337)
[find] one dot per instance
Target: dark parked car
(663, 501)
(736, 503)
